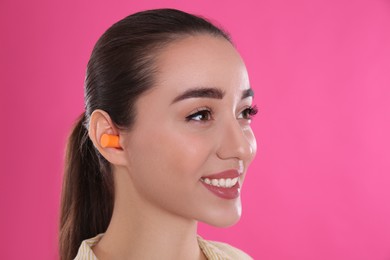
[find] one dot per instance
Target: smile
(223, 183)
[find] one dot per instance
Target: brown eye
(201, 115)
(248, 113)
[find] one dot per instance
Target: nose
(237, 142)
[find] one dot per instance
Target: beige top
(212, 250)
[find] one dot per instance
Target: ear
(101, 123)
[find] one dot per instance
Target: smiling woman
(172, 92)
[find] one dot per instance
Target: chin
(222, 217)
(224, 223)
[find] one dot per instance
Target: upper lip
(233, 173)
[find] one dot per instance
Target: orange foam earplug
(110, 141)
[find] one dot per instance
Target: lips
(224, 184)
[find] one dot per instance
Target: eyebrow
(215, 93)
(248, 93)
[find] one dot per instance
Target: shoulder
(220, 250)
(85, 250)
(212, 249)
(230, 251)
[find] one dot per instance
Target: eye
(248, 113)
(202, 114)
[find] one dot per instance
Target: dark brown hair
(120, 69)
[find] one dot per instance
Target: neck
(140, 230)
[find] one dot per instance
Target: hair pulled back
(120, 69)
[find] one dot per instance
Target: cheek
(170, 154)
(166, 169)
(192, 151)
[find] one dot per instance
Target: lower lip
(224, 193)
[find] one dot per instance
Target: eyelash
(200, 112)
(250, 112)
(206, 112)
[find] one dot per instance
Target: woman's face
(192, 140)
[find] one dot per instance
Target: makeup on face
(225, 184)
(205, 113)
(192, 134)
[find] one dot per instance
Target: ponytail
(87, 193)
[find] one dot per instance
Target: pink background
(319, 188)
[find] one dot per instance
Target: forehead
(201, 61)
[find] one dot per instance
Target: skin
(159, 197)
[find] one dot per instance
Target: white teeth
(224, 183)
(234, 181)
(228, 183)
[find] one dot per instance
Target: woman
(165, 142)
